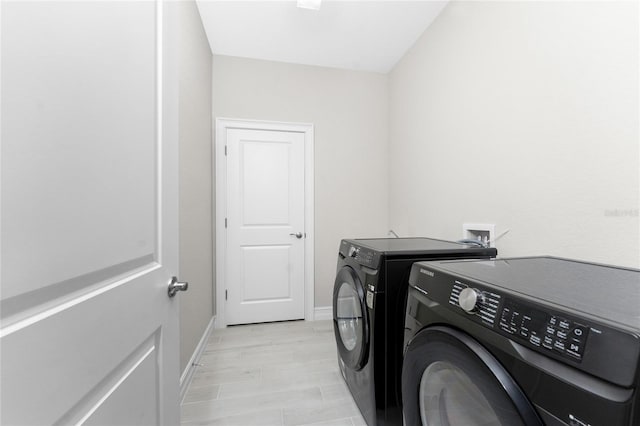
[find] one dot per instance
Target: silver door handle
(297, 234)
(176, 286)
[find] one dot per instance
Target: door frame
(220, 196)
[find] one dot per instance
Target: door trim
(220, 196)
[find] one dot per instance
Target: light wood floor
(270, 374)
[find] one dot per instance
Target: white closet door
(265, 229)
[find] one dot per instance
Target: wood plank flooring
(280, 374)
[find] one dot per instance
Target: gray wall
(349, 111)
(196, 234)
(522, 114)
(525, 115)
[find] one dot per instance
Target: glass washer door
(350, 320)
(449, 379)
(349, 316)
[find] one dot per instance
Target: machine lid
(422, 246)
(608, 292)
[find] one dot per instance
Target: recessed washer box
(481, 232)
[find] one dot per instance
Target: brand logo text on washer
(426, 272)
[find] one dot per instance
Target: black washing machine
(369, 300)
(525, 341)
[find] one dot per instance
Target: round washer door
(350, 320)
(450, 379)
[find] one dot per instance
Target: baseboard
(323, 313)
(187, 374)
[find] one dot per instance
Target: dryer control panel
(542, 329)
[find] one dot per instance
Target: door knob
(297, 234)
(176, 286)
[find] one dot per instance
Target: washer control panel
(540, 329)
(364, 256)
(543, 329)
(483, 304)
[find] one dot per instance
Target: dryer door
(450, 379)
(350, 319)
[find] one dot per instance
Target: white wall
(196, 234)
(522, 114)
(349, 112)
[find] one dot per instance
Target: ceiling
(357, 35)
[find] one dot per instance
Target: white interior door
(88, 214)
(265, 225)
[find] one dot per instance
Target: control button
(535, 340)
(579, 331)
(565, 324)
(559, 345)
(524, 332)
(561, 334)
(547, 342)
(469, 299)
(551, 330)
(575, 347)
(553, 321)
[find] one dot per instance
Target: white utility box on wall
(483, 233)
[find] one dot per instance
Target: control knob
(353, 251)
(469, 299)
